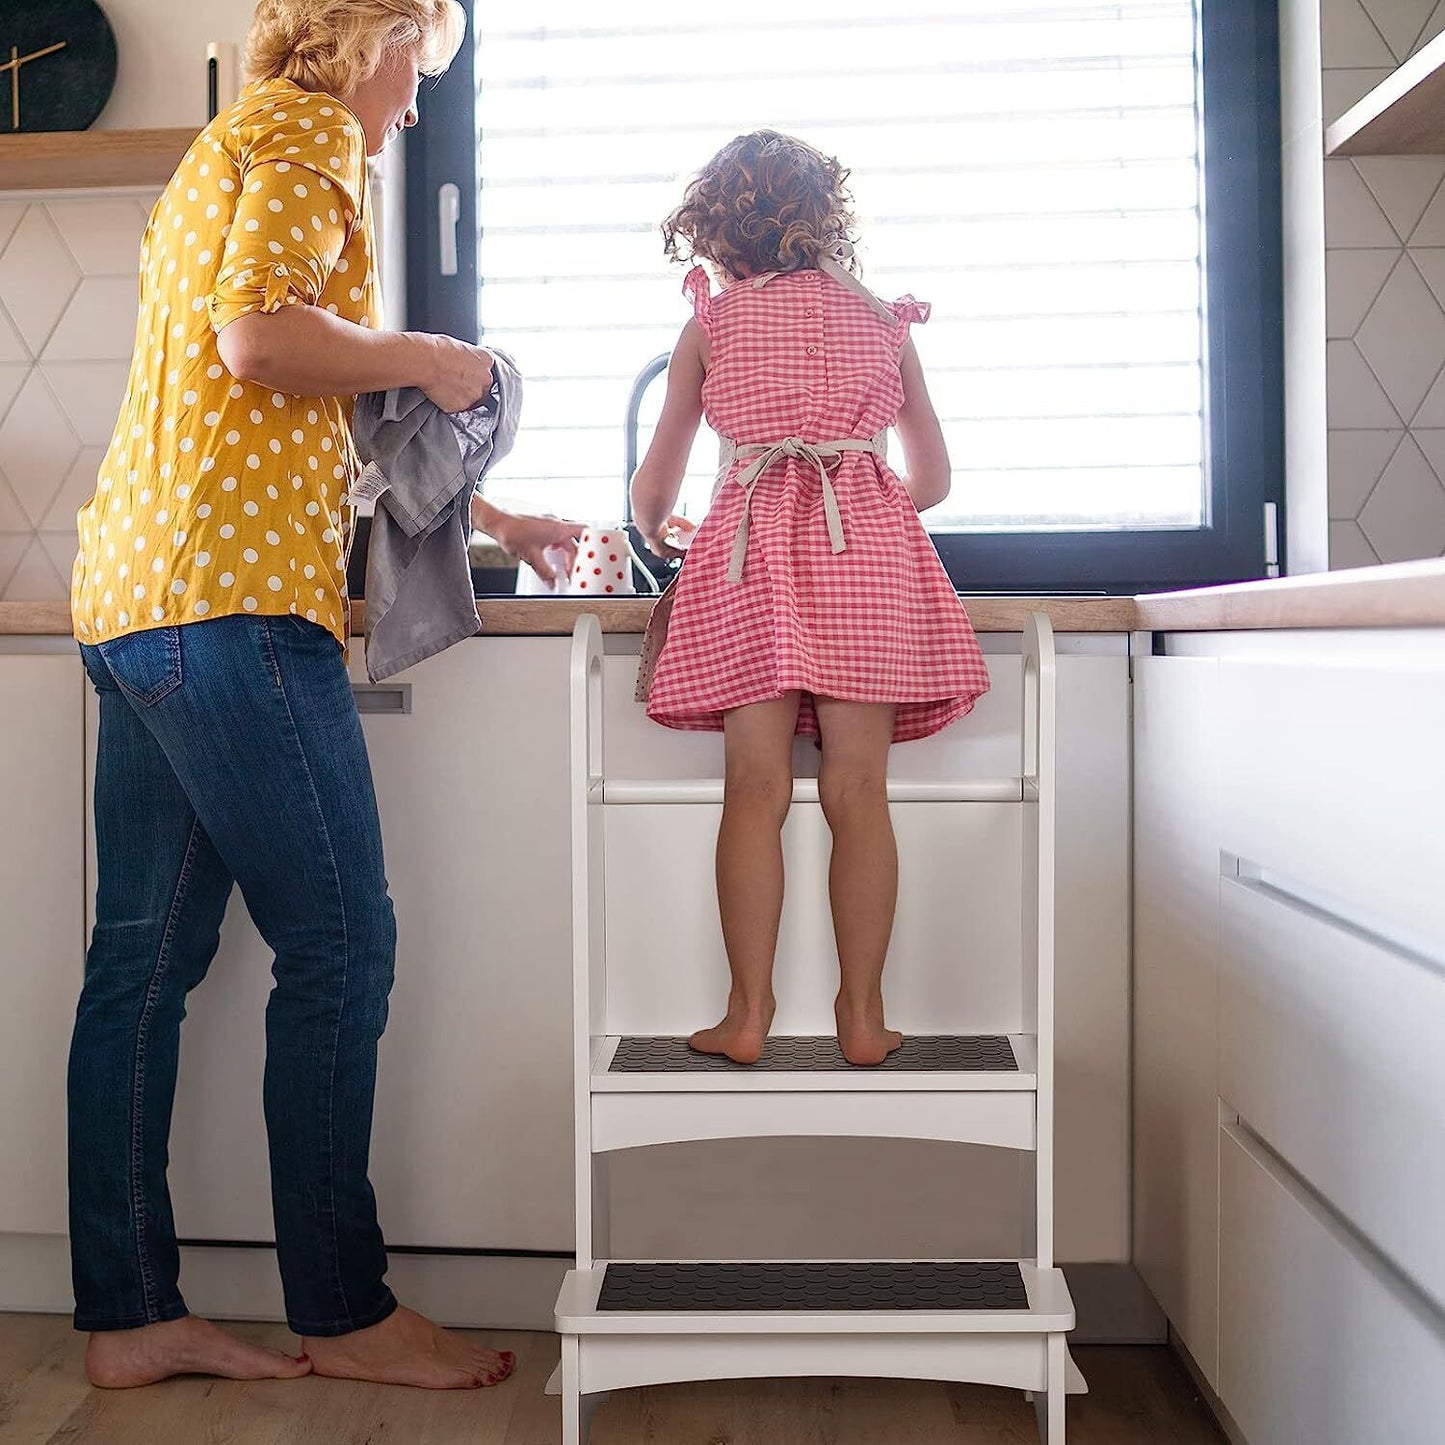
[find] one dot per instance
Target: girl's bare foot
(741, 1035)
(124, 1359)
(408, 1349)
(862, 1035)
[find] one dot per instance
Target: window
(1087, 192)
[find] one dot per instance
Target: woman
(208, 596)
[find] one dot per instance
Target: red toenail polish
(303, 1358)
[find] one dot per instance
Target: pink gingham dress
(805, 356)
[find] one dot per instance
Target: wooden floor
(1139, 1396)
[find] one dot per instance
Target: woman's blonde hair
(336, 45)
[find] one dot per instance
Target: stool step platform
(665, 1064)
(875, 1285)
(815, 1297)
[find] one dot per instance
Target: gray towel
(422, 468)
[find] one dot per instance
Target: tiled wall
(68, 295)
(1385, 279)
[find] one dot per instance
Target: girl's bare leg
(758, 790)
(863, 877)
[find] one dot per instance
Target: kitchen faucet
(630, 458)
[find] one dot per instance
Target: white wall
(162, 45)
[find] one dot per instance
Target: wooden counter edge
(507, 617)
(555, 617)
(1402, 594)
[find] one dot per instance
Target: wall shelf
(1403, 115)
(69, 160)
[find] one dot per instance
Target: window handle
(449, 214)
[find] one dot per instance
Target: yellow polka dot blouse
(217, 497)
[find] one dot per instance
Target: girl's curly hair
(765, 202)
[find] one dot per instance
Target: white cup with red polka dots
(604, 564)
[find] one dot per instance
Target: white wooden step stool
(626, 1324)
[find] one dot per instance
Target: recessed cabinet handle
(391, 698)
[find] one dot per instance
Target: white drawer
(1332, 774)
(1317, 1346)
(1331, 1051)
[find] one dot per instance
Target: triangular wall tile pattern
(1385, 269)
(68, 298)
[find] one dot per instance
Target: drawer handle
(393, 699)
(1333, 912)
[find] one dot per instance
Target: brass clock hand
(13, 66)
(17, 60)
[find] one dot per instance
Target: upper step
(973, 1063)
(963, 1090)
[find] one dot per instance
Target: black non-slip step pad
(875, 1285)
(924, 1054)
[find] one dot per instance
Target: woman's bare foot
(408, 1349)
(741, 1035)
(124, 1359)
(862, 1035)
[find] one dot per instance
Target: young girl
(812, 601)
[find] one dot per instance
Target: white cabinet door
(1332, 1049)
(42, 923)
(1318, 1344)
(1176, 928)
(472, 1140)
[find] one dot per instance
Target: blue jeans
(231, 751)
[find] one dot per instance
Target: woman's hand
(458, 376)
(663, 542)
(527, 538)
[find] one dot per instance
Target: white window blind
(1033, 169)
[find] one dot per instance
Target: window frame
(1243, 317)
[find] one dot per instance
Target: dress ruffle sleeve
(697, 287)
(910, 312)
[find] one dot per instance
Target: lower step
(812, 1297)
(869, 1285)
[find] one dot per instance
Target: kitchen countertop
(1406, 594)
(556, 616)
